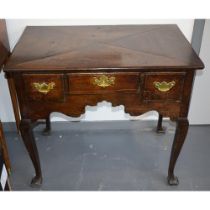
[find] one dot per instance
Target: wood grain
(84, 83)
(84, 48)
(4, 44)
(136, 56)
(4, 53)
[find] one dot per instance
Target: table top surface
(124, 47)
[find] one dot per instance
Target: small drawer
(163, 86)
(42, 87)
(103, 83)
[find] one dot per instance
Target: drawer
(163, 86)
(43, 87)
(103, 83)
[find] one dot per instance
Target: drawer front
(103, 83)
(42, 87)
(163, 86)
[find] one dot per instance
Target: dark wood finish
(4, 53)
(84, 83)
(151, 93)
(160, 128)
(56, 94)
(3, 147)
(47, 130)
(14, 100)
(75, 103)
(181, 132)
(4, 44)
(82, 48)
(29, 141)
(72, 57)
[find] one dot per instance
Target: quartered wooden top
(83, 48)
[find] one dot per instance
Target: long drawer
(103, 83)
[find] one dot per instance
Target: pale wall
(200, 103)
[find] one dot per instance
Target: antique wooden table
(63, 69)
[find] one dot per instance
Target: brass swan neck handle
(43, 87)
(103, 81)
(164, 86)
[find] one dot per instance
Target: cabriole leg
(160, 128)
(29, 141)
(47, 130)
(180, 135)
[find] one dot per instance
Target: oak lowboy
(63, 69)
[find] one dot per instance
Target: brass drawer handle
(164, 86)
(43, 87)
(103, 81)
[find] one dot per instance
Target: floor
(112, 156)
